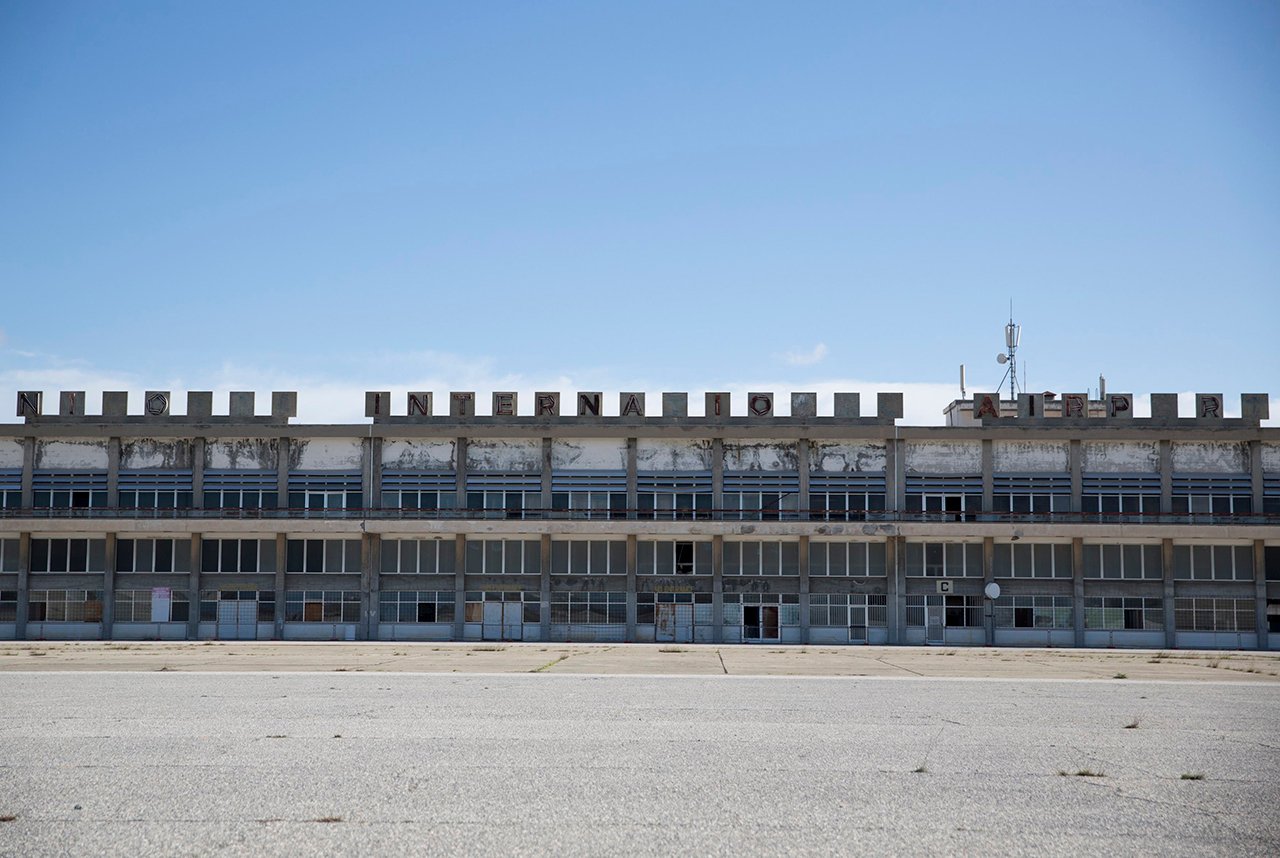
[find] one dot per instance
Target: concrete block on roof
(1120, 405)
(889, 405)
(1209, 406)
(115, 403)
(848, 405)
(1164, 406)
(462, 403)
(804, 405)
(675, 405)
(200, 403)
(71, 403)
(30, 403)
(377, 403)
(1031, 405)
(241, 402)
(284, 404)
(590, 403)
(631, 404)
(1075, 405)
(419, 403)
(759, 404)
(546, 403)
(155, 403)
(1255, 406)
(986, 405)
(505, 403)
(717, 404)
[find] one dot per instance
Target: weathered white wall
(761, 456)
(1271, 458)
(1031, 456)
(597, 454)
(10, 453)
(513, 456)
(656, 455)
(325, 454)
(1210, 457)
(835, 458)
(141, 453)
(241, 454)
(418, 455)
(71, 455)
(944, 457)
(1134, 457)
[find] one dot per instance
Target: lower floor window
(589, 608)
(68, 606)
(653, 607)
(8, 606)
(954, 611)
(848, 610)
(151, 605)
(1214, 615)
(237, 606)
(761, 616)
(503, 606)
(1127, 612)
(1033, 612)
(416, 606)
(322, 606)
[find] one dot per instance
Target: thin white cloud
(814, 356)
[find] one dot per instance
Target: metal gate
(674, 622)
(934, 631)
(237, 619)
(503, 621)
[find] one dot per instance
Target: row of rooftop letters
(419, 405)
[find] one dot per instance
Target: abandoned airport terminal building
(1041, 521)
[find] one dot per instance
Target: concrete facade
(541, 523)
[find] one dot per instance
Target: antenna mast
(1012, 336)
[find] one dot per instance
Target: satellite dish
(992, 590)
(1002, 358)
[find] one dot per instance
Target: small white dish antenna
(992, 590)
(1002, 358)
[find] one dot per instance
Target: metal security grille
(155, 489)
(594, 481)
(846, 482)
(69, 489)
(10, 488)
(418, 481)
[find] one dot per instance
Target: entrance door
(237, 619)
(760, 622)
(665, 618)
(512, 621)
(492, 628)
(933, 628)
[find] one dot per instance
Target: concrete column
(544, 588)
(717, 478)
(460, 582)
(895, 588)
(28, 471)
(631, 586)
(197, 473)
(1077, 589)
(1076, 464)
(282, 486)
(193, 590)
(803, 553)
(109, 589)
(633, 482)
(803, 458)
(282, 567)
(1256, 475)
(1166, 560)
(895, 476)
(988, 476)
(460, 479)
(113, 473)
(717, 589)
(24, 583)
(370, 471)
(370, 560)
(1260, 589)
(546, 478)
(1166, 478)
(988, 577)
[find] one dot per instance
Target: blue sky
(643, 196)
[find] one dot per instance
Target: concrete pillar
(1166, 561)
(1260, 589)
(24, 584)
(370, 565)
(633, 482)
(717, 589)
(109, 589)
(369, 476)
(632, 553)
(193, 589)
(197, 473)
(546, 479)
(803, 458)
(803, 552)
(1166, 478)
(460, 581)
(988, 577)
(895, 477)
(28, 471)
(988, 476)
(460, 480)
(113, 473)
(544, 588)
(895, 589)
(282, 569)
(282, 484)
(1077, 589)
(717, 478)
(1075, 457)
(1256, 475)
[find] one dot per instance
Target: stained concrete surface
(127, 763)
